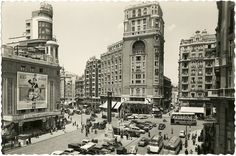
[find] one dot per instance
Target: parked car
(121, 150)
(143, 116)
(161, 126)
(137, 129)
(132, 117)
(57, 153)
(133, 149)
(133, 133)
(182, 134)
(75, 146)
(68, 151)
(143, 141)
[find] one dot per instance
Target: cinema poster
(31, 90)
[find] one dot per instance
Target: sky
(85, 29)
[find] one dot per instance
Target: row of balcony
(141, 32)
(222, 92)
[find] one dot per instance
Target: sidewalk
(190, 142)
(68, 128)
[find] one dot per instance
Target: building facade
(93, 77)
(79, 87)
(196, 70)
(167, 93)
(67, 85)
(30, 87)
(143, 56)
(111, 72)
(223, 93)
(174, 98)
(40, 26)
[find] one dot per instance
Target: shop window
(41, 70)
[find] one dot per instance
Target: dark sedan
(143, 142)
(161, 126)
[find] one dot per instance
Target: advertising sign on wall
(31, 90)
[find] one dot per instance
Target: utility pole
(109, 101)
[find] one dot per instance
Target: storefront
(137, 107)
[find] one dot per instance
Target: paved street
(60, 142)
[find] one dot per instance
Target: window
(139, 12)
(133, 13)
(138, 21)
(133, 28)
(23, 68)
(41, 70)
(144, 27)
(138, 58)
(144, 21)
(133, 22)
(32, 69)
(139, 28)
(138, 81)
(144, 76)
(138, 76)
(156, 71)
(145, 11)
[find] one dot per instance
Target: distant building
(223, 133)
(111, 72)
(174, 98)
(92, 82)
(167, 93)
(196, 71)
(30, 87)
(79, 87)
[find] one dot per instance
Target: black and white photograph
(124, 77)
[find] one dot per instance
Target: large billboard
(31, 90)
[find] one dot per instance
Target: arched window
(133, 13)
(145, 11)
(139, 12)
(138, 47)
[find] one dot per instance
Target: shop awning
(117, 106)
(137, 102)
(192, 110)
(104, 105)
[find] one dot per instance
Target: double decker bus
(155, 144)
(183, 118)
(173, 146)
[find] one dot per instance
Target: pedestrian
(30, 140)
(194, 141)
(188, 136)
(191, 151)
(77, 126)
(86, 134)
(172, 130)
(164, 137)
(186, 151)
(95, 131)
(121, 135)
(149, 134)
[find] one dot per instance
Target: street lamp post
(186, 139)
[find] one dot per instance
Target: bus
(155, 144)
(183, 118)
(173, 146)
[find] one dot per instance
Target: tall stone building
(111, 72)
(196, 72)
(143, 52)
(92, 82)
(223, 93)
(30, 86)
